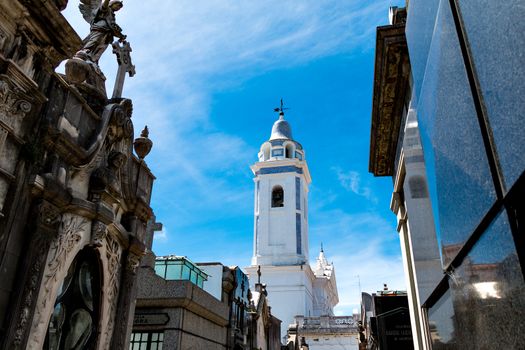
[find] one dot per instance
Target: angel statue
(101, 17)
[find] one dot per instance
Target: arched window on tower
(289, 151)
(277, 197)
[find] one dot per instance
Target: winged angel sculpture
(101, 17)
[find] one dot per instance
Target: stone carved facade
(74, 198)
(62, 250)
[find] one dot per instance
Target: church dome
(281, 130)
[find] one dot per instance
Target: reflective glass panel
(185, 273)
(496, 36)
(173, 272)
(459, 178)
(84, 282)
(485, 306)
(419, 29)
(490, 293)
(55, 326)
(193, 277)
(441, 323)
(160, 269)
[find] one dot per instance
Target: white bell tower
(281, 200)
(280, 244)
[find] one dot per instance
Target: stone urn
(143, 144)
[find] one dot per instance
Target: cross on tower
(280, 110)
(124, 66)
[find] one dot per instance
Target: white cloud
(351, 181)
(162, 235)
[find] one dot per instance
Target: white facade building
(280, 244)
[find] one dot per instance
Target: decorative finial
(145, 133)
(259, 274)
(322, 251)
(143, 144)
(280, 110)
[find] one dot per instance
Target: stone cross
(124, 66)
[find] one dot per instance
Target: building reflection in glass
(486, 299)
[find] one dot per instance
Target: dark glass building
(448, 126)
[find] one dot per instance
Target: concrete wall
(197, 320)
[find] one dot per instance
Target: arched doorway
(75, 317)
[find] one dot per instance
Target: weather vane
(280, 109)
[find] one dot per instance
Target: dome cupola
(281, 145)
(281, 129)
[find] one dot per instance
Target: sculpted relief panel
(72, 235)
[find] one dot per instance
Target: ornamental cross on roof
(280, 110)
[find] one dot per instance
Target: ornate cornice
(49, 26)
(391, 82)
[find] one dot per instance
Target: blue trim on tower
(279, 170)
(297, 193)
(298, 233)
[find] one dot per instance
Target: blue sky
(209, 74)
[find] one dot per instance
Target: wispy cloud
(162, 235)
(351, 181)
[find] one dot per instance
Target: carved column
(128, 295)
(46, 227)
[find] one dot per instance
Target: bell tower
(281, 199)
(280, 235)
